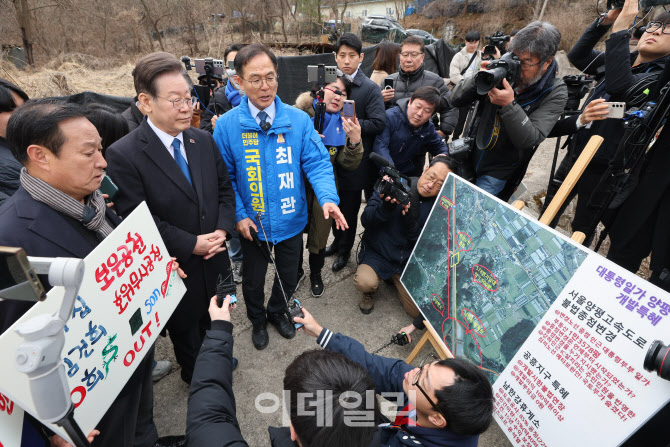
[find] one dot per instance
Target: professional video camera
(578, 87)
(507, 67)
(461, 150)
(397, 187)
(497, 40)
(321, 75)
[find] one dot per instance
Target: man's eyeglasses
(413, 54)
(417, 378)
(652, 27)
(337, 92)
(257, 83)
(525, 65)
(179, 102)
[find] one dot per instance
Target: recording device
(507, 67)
(616, 109)
(108, 187)
(388, 84)
(224, 288)
(397, 187)
(400, 339)
(578, 87)
(295, 310)
(461, 151)
(497, 40)
(349, 109)
(207, 67)
(657, 359)
(321, 75)
(18, 280)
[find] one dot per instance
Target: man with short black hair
(413, 75)
(179, 172)
(370, 113)
(466, 63)
(270, 148)
(444, 402)
(409, 132)
(391, 231)
(11, 97)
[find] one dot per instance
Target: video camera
(578, 86)
(397, 187)
(321, 75)
(507, 67)
(497, 40)
(461, 150)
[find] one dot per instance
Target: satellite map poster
(560, 331)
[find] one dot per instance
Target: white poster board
(11, 422)
(128, 294)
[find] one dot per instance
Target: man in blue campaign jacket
(446, 403)
(267, 146)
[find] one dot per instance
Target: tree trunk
(25, 22)
(154, 25)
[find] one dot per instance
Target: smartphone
(15, 270)
(349, 109)
(616, 109)
(108, 187)
(388, 84)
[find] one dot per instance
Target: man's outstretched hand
(309, 324)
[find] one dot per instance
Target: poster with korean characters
(579, 376)
(11, 422)
(128, 294)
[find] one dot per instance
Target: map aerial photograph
(484, 275)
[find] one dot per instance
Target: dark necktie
(181, 162)
(262, 118)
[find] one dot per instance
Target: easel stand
(434, 339)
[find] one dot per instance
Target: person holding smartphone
(342, 138)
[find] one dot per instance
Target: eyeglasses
(652, 27)
(417, 378)
(179, 102)
(257, 83)
(337, 92)
(413, 54)
(525, 65)
(432, 179)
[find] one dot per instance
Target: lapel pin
(191, 140)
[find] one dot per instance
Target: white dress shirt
(167, 140)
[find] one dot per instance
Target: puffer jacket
(266, 167)
(460, 62)
(405, 84)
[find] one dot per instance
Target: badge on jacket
(280, 138)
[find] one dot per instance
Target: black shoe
(317, 284)
(259, 336)
(235, 363)
(340, 262)
(283, 326)
(171, 441)
(331, 250)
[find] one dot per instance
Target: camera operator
(622, 71)
(225, 96)
(526, 113)
(409, 133)
(413, 75)
(392, 229)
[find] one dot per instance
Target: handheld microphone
(381, 161)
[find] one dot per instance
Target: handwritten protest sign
(560, 331)
(11, 423)
(128, 294)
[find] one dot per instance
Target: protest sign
(128, 294)
(11, 423)
(499, 289)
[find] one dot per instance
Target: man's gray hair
(540, 39)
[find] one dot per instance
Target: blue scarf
(333, 133)
(233, 95)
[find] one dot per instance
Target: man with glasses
(391, 231)
(269, 148)
(525, 115)
(442, 402)
(413, 75)
(179, 172)
(616, 74)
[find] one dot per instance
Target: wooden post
(434, 339)
(578, 237)
(519, 204)
(571, 179)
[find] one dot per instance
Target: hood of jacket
(304, 102)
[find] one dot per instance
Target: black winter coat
(10, 169)
(133, 116)
(405, 84)
(211, 418)
(222, 106)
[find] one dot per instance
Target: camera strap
(489, 128)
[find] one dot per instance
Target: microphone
(381, 161)
(266, 126)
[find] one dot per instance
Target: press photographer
(515, 113)
(625, 76)
(392, 224)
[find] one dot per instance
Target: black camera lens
(655, 360)
(487, 79)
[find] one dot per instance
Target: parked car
(424, 35)
(376, 28)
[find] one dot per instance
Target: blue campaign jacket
(388, 375)
(290, 148)
(400, 142)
